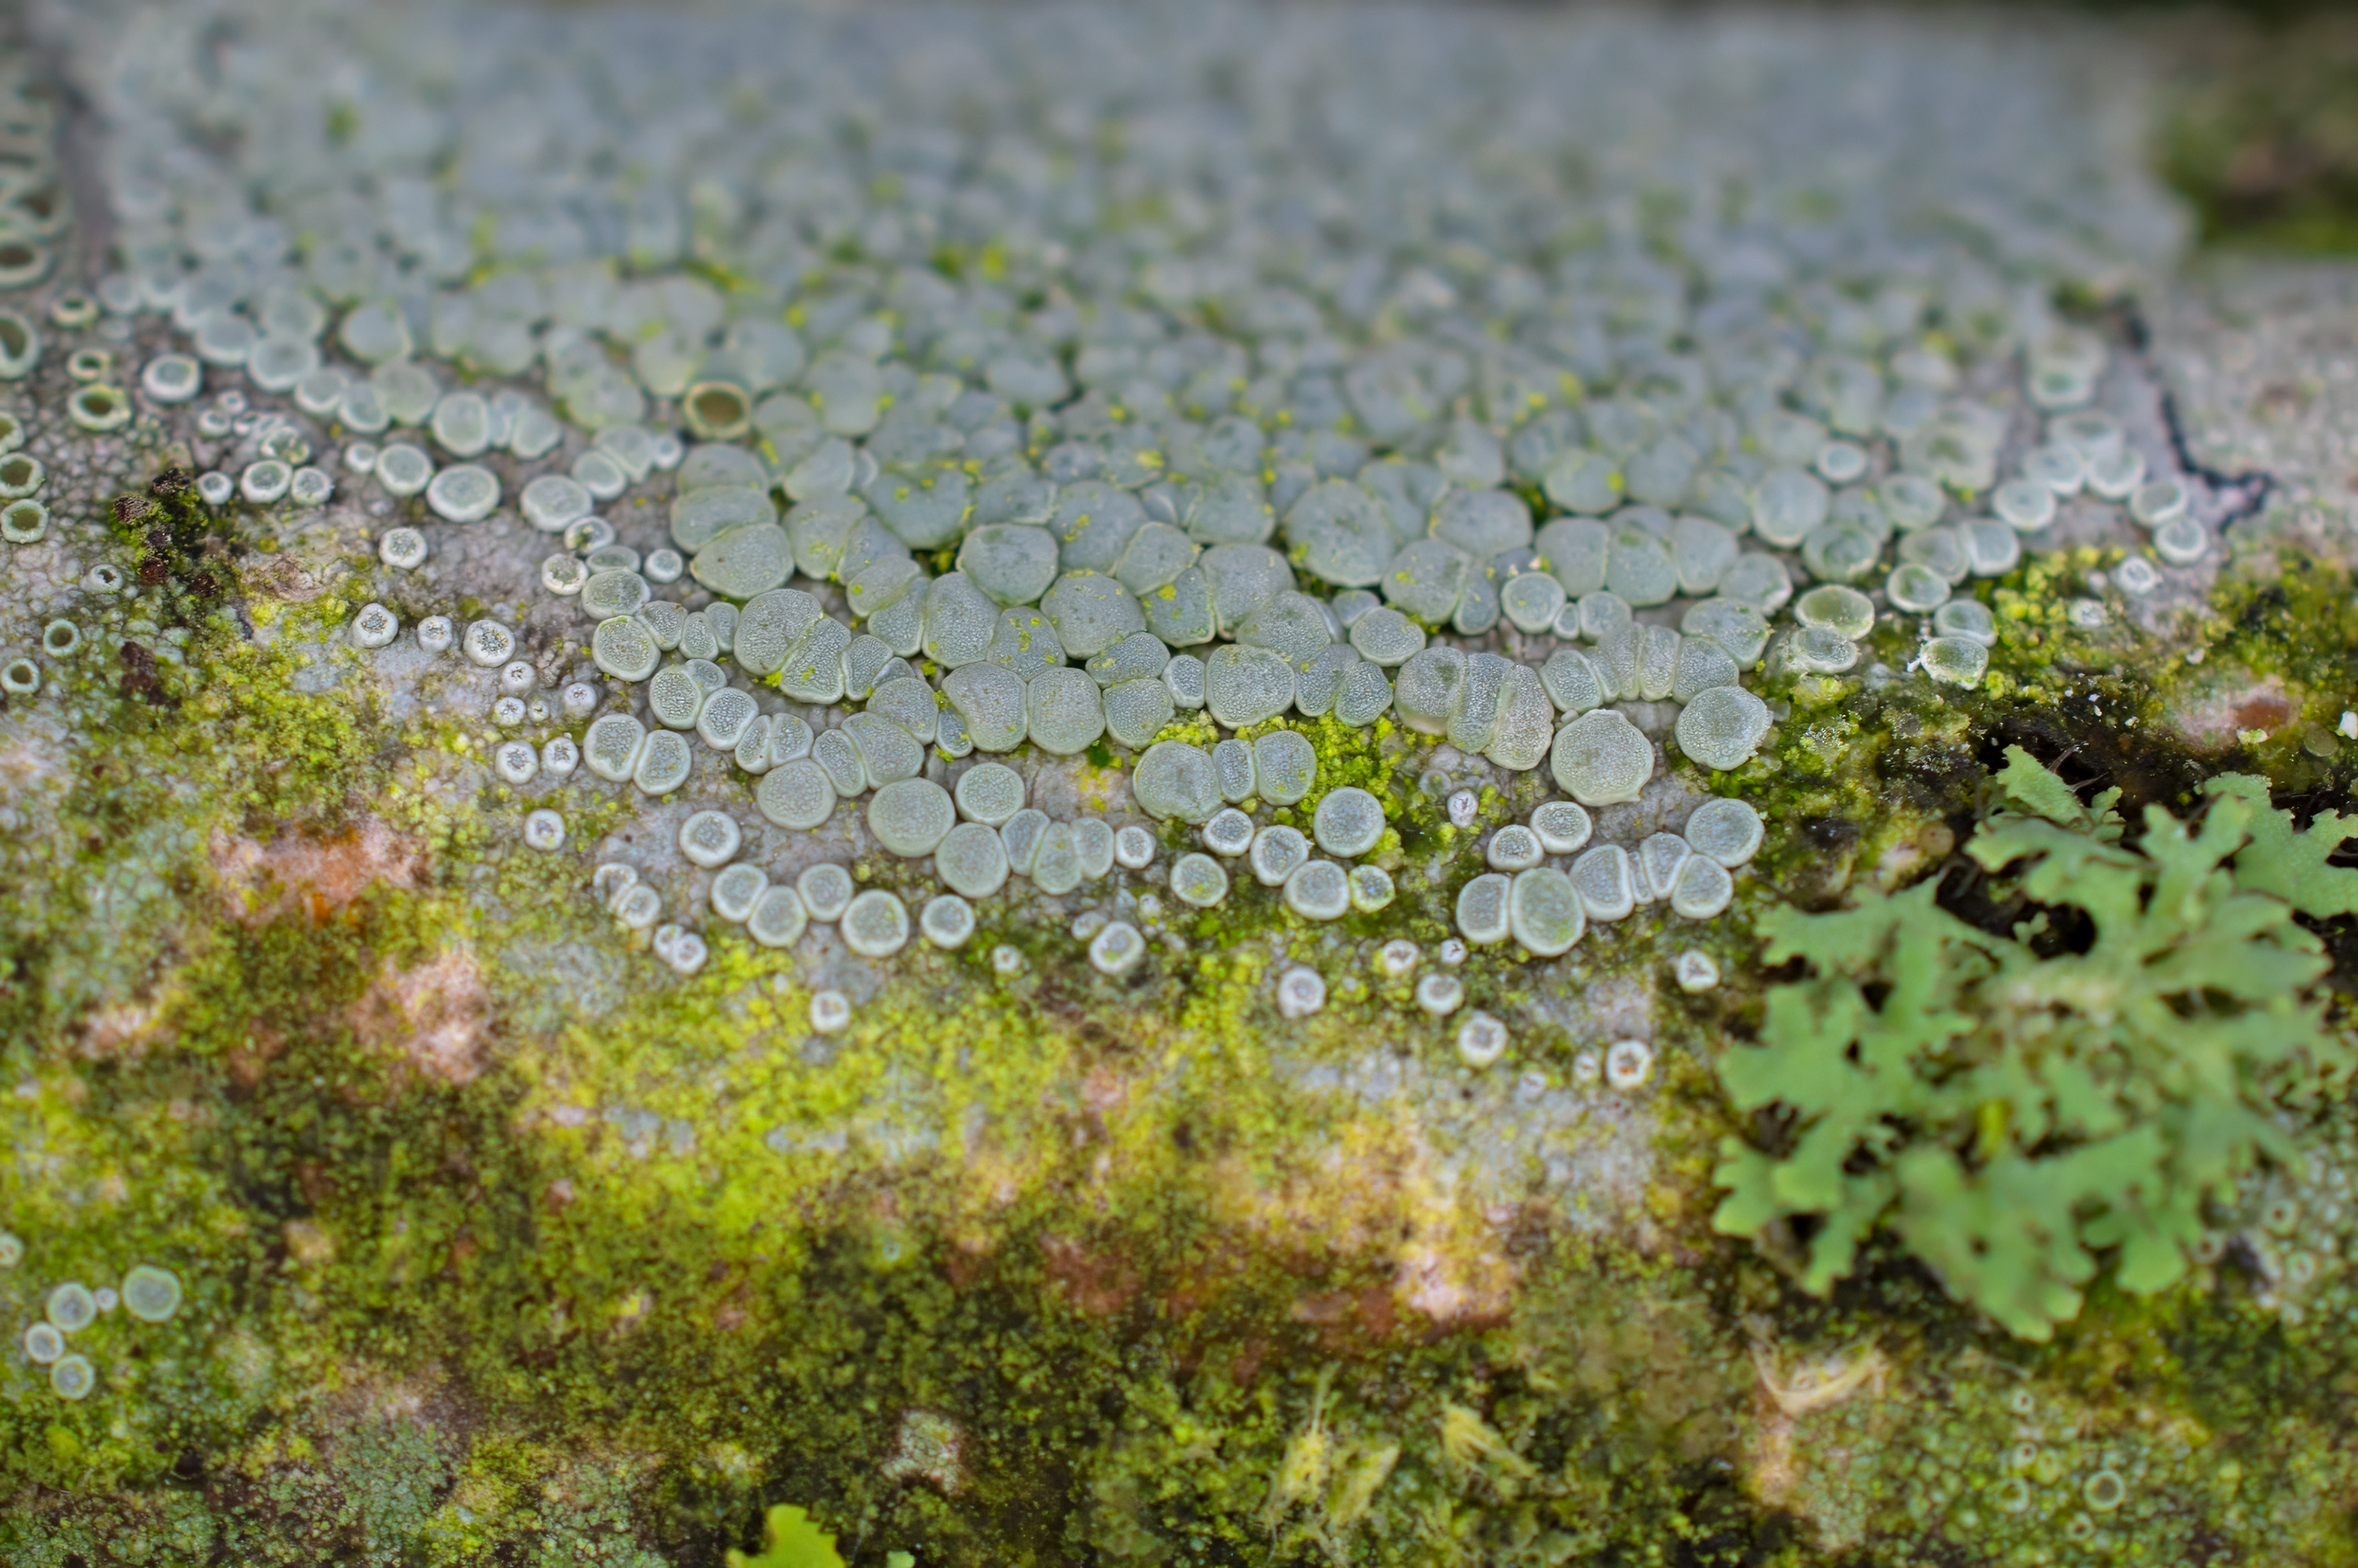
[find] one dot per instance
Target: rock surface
(419, 1153)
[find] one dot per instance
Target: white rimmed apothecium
(685, 953)
(638, 907)
(1371, 889)
(948, 921)
(1348, 822)
(172, 378)
(1440, 995)
(1513, 847)
(1133, 848)
(1198, 880)
(1628, 1063)
(830, 1012)
(738, 891)
(1300, 993)
(1229, 833)
(825, 891)
(72, 1378)
(874, 925)
(563, 574)
(488, 643)
(1481, 1040)
(403, 548)
(1274, 854)
(310, 486)
(1117, 948)
(375, 626)
(709, 839)
(775, 915)
(151, 1293)
(1321, 889)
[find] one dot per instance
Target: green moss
(644, 1260)
(2260, 134)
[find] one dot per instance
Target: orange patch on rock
(248, 1062)
(1773, 1470)
(1104, 1090)
(1348, 1318)
(33, 755)
(318, 876)
(2211, 720)
(1381, 1196)
(122, 1030)
(1455, 1286)
(1097, 1284)
(434, 1013)
(2264, 711)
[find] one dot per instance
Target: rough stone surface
(393, 1183)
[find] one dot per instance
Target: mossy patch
(2262, 129)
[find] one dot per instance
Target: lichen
(502, 1241)
(2079, 1077)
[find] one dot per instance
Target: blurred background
(2262, 126)
(2260, 123)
